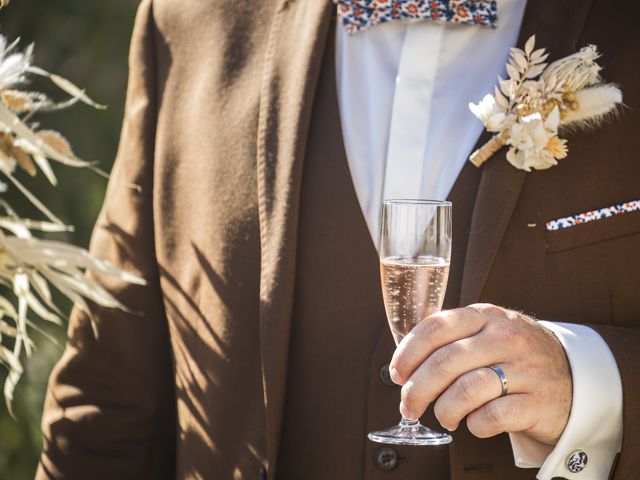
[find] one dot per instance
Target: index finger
(430, 334)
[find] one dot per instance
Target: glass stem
(409, 423)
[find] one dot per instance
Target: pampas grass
(29, 266)
(596, 105)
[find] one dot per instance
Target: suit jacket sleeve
(109, 411)
(625, 344)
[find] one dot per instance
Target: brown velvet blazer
(218, 109)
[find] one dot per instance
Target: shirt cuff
(595, 421)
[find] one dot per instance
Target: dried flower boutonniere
(537, 100)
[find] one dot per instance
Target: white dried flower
(529, 137)
(491, 115)
(575, 71)
(13, 66)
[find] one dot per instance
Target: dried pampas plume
(597, 104)
(30, 265)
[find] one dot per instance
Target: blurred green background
(86, 42)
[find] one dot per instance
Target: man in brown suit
(262, 350)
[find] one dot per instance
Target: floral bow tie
(356, 15)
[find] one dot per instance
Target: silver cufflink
(577, 461)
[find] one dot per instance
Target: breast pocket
(592, 227)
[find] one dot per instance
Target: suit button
(385, 459)
(385, 376)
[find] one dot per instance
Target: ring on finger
(503, 379)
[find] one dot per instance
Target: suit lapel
(293, 58)
(557, 25)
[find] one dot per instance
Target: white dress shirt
(403, 92)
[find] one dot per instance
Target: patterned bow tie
(356, 15)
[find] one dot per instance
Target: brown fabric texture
(334, 392)
(231, 128)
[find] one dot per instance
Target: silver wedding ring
(502, 377)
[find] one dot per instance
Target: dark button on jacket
(385, 458)
(385, 376)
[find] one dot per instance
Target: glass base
(409, 432)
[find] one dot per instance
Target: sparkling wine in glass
(415, 252)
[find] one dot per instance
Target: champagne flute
(415, 252)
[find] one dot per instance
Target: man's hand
(444, 359)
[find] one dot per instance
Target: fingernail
(395, 376)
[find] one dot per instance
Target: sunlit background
(86, 42)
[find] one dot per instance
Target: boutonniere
(539, 100)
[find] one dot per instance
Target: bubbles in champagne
(413, 288)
